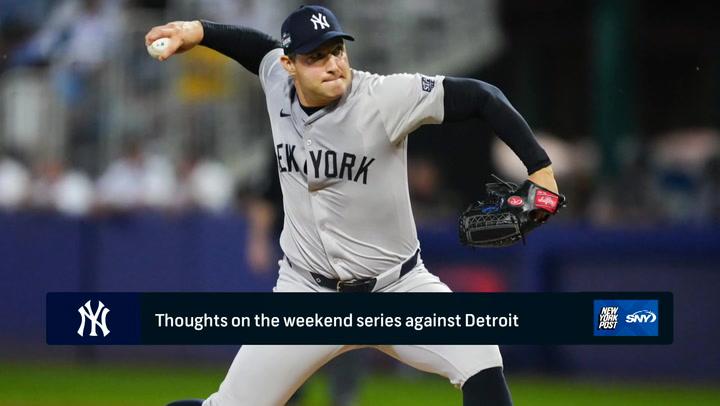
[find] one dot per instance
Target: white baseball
(158, 47)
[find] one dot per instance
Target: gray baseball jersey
(343, 169)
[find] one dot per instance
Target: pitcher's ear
(288, 64)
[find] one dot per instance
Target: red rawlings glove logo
(546, 200)
(515, 201)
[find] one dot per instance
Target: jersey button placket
(317, 206)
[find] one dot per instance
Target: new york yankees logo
(87, 313)
(319, 19)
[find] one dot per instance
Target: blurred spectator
(431, 201)
(263, 206)
(204, 183)
(78, 41)
(14, 182)
(60, 189)
(78, 35)
(259, 14)
(681, 160)
(261, 251)
(136, 181)
(710, 193)
(18, 20)
(565, 158)
(628, 198)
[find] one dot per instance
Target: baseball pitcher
(340, 138)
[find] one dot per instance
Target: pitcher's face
(321, 76)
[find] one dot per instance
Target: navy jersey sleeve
(470, 98)
(245, 45)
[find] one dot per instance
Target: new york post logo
(626, 318)
(608, 318)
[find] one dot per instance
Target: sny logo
(641, 316)
(87, 314)
(319, 19)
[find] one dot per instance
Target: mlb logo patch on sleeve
(626, 318)
(427, 84)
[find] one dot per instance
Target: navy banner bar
(92, 318)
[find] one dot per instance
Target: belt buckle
(356, 285)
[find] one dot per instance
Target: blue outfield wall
(155, 252)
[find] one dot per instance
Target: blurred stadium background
(119, 173)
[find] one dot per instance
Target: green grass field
(71, 385)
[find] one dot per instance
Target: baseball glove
(507, 214)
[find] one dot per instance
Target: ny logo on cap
(319, 18)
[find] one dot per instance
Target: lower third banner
(96, 318)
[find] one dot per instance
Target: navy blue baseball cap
(308, 27)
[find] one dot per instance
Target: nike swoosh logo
(283, 114)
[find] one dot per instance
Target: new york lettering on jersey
(325, 163)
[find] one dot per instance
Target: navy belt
(362, 285)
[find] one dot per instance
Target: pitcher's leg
(455, 362)
(487, 388)
(459, 363)
(267, 375)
